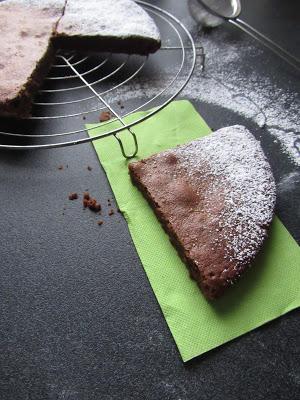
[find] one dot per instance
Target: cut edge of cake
(18, 103)
(100, 28)
(28, 60)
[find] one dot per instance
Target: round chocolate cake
(30, 30)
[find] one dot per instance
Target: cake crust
(215, 198)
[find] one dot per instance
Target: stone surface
(78, 318)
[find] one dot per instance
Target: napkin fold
(269, 289)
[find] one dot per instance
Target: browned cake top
(26, 34)
(215, 196)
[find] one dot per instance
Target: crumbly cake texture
(215, 197)
(27, 49)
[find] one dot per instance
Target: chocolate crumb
(105, 116)
(111, 212)
(100, 222)
(89, 168)
(92, 204)
(89, 202)
(60, 167)
(85, 203)
(73, 196)
(84, 117)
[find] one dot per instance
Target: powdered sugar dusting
(255, 95)
(242, 176)
(118, 18)
(56, 7)
(121, 18)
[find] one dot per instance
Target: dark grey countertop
(78, 319)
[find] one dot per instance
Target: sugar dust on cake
(215, 197)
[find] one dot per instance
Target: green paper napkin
(269, 289)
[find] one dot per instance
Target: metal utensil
(211, 13)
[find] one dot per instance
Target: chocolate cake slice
(215, 198)
(120, 26)
(26, 53)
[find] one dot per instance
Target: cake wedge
(215, 198)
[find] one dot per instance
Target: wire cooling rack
(80, 87)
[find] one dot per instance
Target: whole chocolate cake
(31, 30)
(215, 198)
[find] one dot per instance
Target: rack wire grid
(79, 87)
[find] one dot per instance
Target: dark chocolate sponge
(215, 198)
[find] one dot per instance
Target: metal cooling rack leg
(122, 147)
(136, 147)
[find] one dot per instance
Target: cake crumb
(86, 198)
(85, 203)
(105, 116)
(73, 196)
(60, 167)
(100, 222)
(111, 212)
(91, 203)
(94, 205)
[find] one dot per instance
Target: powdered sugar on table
(255, 95)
